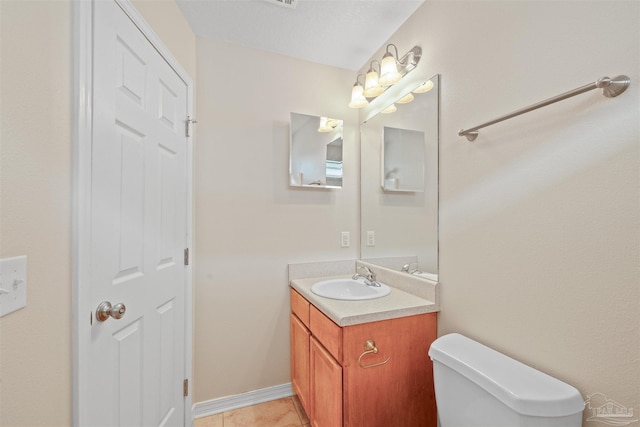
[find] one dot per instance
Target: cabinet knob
(370, 347)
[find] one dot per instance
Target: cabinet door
(326, 388)
(398, 393)
(300, 361)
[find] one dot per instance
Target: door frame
(81, 191)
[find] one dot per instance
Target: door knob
(106, 310)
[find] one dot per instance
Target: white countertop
(344, 313)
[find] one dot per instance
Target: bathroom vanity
(363, 363)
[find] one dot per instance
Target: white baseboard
(222, 404)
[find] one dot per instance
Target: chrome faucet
(407, 269)
(369, 277)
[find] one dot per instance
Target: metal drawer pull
(370, 347)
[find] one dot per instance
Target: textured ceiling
(340, 33)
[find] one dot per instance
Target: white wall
(35, 198)
(539, 217)
(250, 224)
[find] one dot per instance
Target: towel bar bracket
(613, 87)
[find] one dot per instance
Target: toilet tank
(478, 386)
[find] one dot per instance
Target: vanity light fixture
(391, 71)
(357, 98)
(388, 68)
(372, 86)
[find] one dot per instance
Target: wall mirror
(315, 152)
(399, 182)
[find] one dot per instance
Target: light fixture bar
(373, 87)
(410, 60)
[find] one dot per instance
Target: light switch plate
(345, 240)
(371, 238)
(13, 284)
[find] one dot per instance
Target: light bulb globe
(372, 86)
(357, 98)
(389, 74)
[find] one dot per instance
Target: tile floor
(286, 412)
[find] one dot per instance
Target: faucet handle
(370, 274)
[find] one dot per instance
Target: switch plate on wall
(371, 238)
(13, 284)
(345, 241)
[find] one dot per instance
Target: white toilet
(479, 387)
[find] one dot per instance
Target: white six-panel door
(138, 229)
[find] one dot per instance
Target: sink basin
(349, 289)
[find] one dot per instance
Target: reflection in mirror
(315, 158)
(403, 160)
(399, 184)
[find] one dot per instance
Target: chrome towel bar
(612, 87)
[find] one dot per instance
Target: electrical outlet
(13, 284)
(371, 238)
(345, 240)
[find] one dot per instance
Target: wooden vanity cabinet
(325, 387)
(333, 387)
(300, 348)
(400, 392)
(300, 341)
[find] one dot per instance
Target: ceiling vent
(291, 4)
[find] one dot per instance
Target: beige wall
(539, 220)
(35, 360)
(249, 223)
(35, 198)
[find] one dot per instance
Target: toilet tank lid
(521, 387)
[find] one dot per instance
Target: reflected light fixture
(327, 124)
(332, 122)
(324, 127)
(357, 98)
(391, 71)
(425, 87)
(390, 109)
(406, 99)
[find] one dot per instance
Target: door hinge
(188, 126)
(185, 388)
(186, 256)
